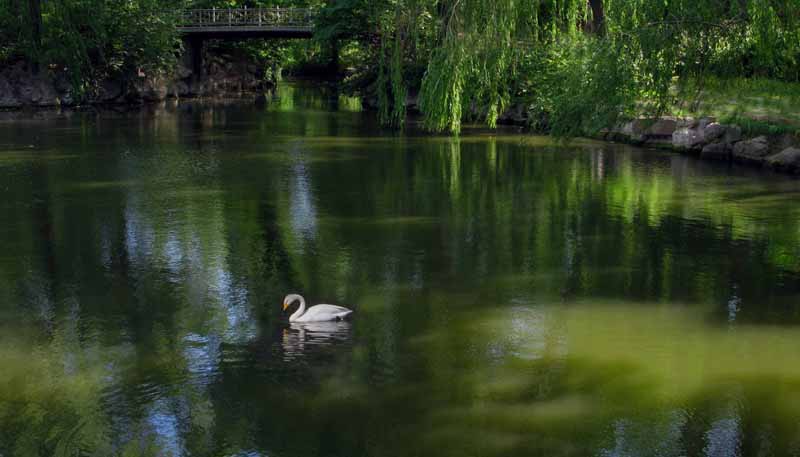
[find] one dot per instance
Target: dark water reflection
(512, 296)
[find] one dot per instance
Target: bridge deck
(248, 22)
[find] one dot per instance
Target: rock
(66, 91)
(19, 87)
(701, 123)
(716, 151)
(62, 83)
(149, 89)
(37, 91)
(784, 141)
(66, 99)
(109, 90)
(688, 138)
(183, 71)
(729, 134)
(713, 131)
(222, 73)
(516, 114)
(7, 97)
(180, 89)
(198, 88)
(751, 151)
(226, 73)
(663, 128)
(634, 130)
(786, 160)
(733, 133)
(615, 136)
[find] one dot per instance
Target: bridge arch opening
(198, 25)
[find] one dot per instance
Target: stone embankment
(221, 75)
(704, 137)
(711, 140)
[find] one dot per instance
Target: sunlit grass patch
(759, 106)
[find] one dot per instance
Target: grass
(759, 106)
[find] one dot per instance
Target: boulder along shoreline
(222, 74)
(710, 140)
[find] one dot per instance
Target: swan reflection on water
(300, 339)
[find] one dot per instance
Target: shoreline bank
(704, 138)
(710, 140)
(222, 74)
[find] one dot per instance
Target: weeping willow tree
(471, 72)
(651, 50)
(471, 48)
(581, 64)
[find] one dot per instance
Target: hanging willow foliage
(581, 71)
(391, 83)
(652, 49)
(470, 71)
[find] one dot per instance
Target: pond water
(513, 296)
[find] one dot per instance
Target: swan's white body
(317, 313)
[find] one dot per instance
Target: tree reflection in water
(515, 296)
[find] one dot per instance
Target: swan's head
(291, 298)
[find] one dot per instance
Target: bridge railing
(299, 18)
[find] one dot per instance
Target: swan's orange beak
(285, 305)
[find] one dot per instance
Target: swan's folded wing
(323, 312)
(333, 308)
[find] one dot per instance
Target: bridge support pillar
(194, 53)
(333, 62)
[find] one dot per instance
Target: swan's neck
(300, 310)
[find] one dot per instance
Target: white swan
(318, 313)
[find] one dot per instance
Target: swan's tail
(343, 315)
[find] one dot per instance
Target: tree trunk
(35, 14)
(597, 25)
(333, 63)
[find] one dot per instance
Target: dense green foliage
(90, 38)
(576, 65)
(273, 55)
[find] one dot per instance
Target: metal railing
(284, 18)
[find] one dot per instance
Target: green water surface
(513, 296)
